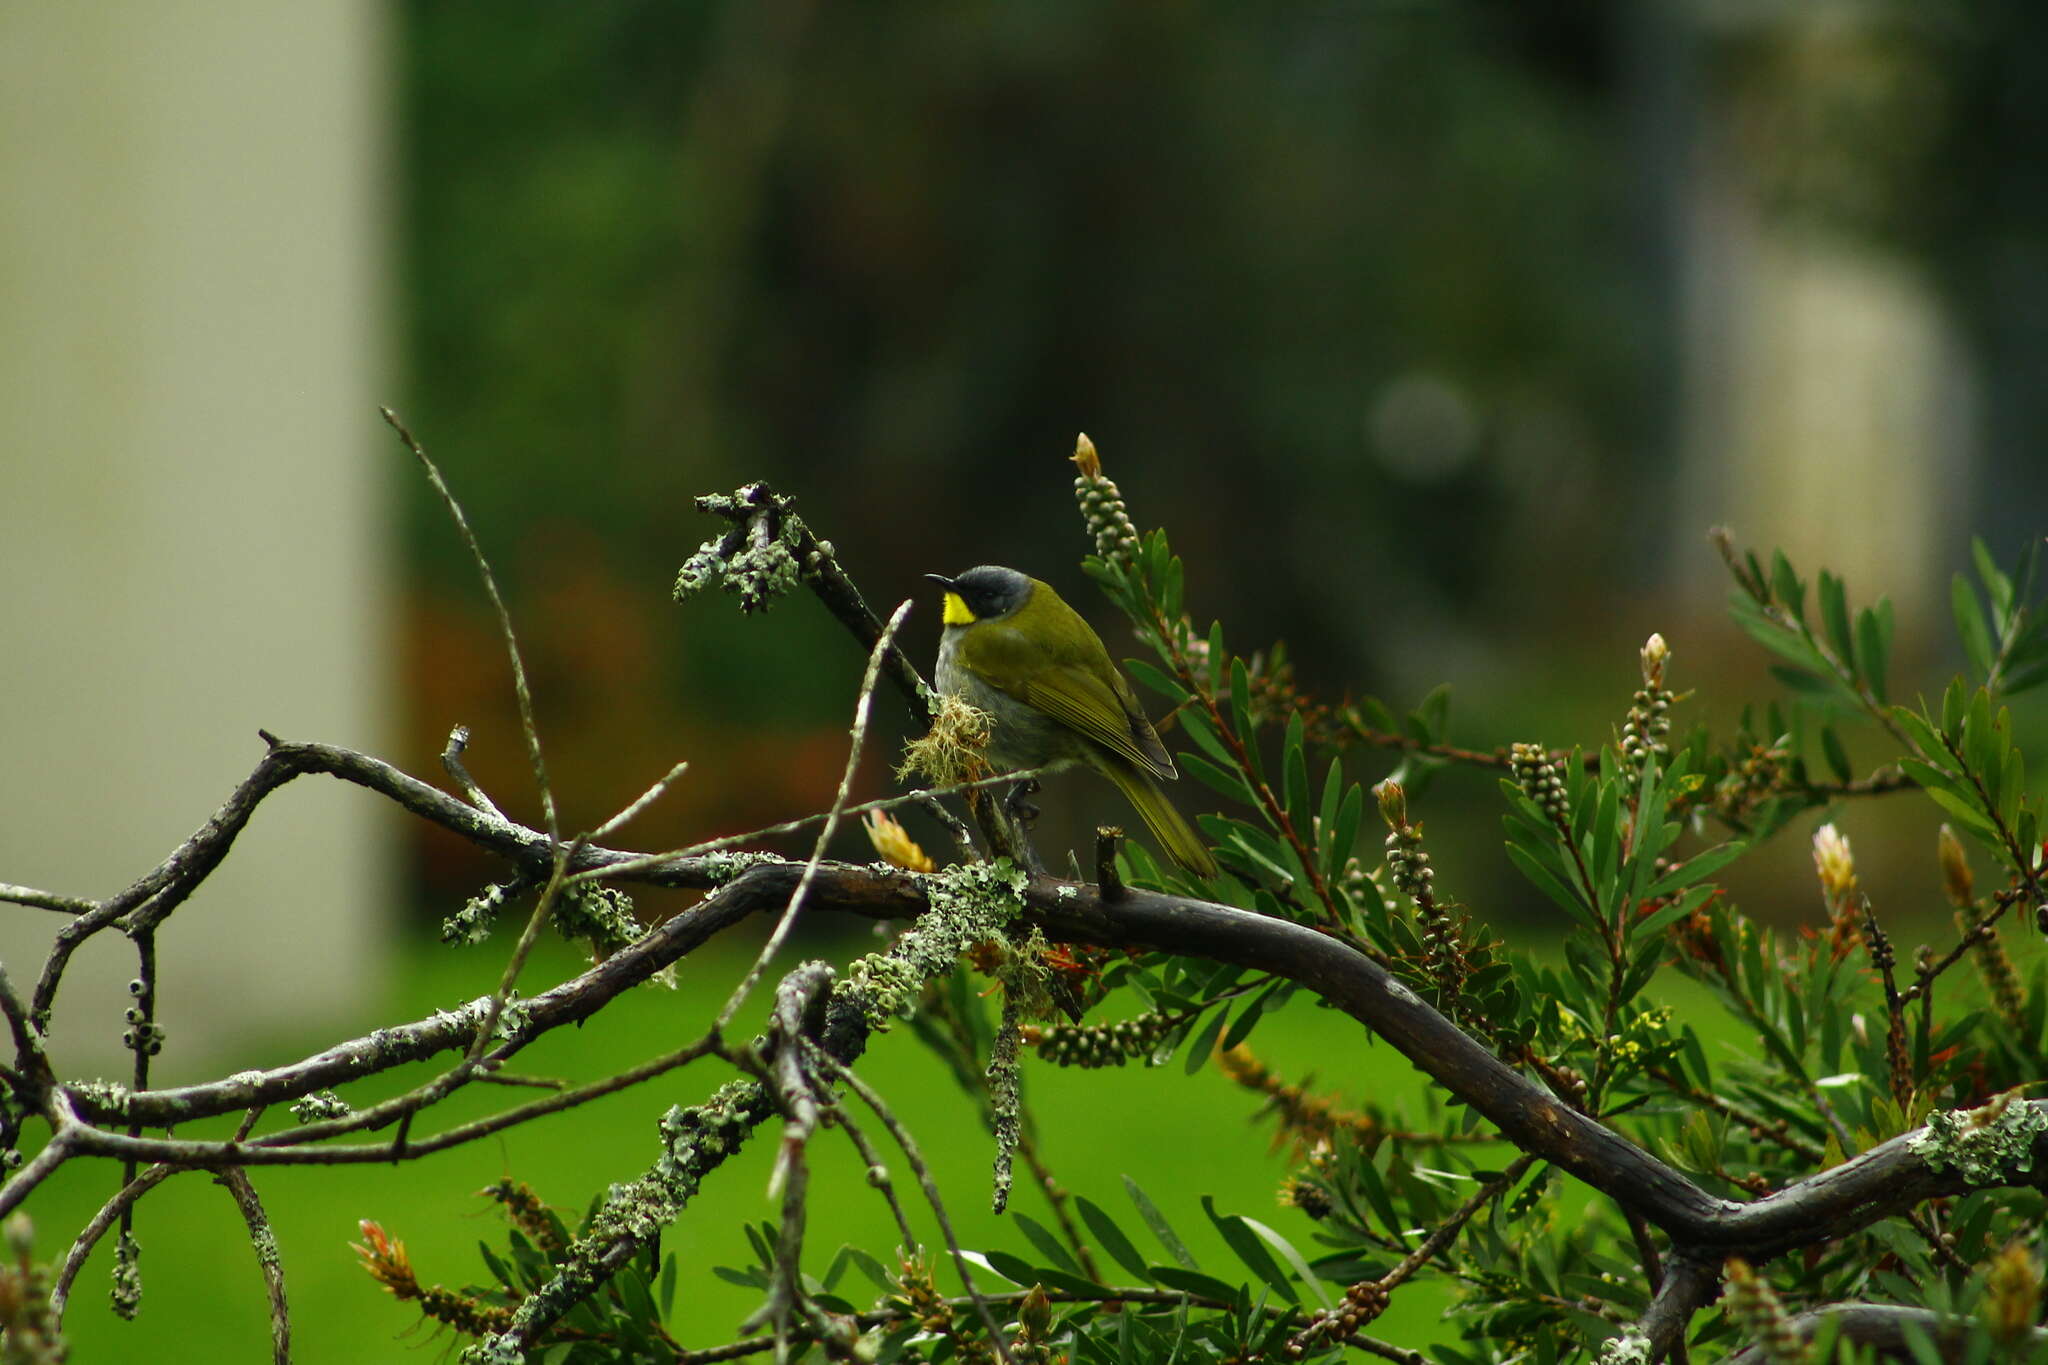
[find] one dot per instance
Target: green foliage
(1626, 837)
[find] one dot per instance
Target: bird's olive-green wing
(1070, 679)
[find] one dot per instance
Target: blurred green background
(1436, 332)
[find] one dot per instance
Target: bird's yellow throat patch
(956, 611)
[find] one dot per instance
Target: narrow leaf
(1161, 1229)
(1111, 1237)
(1970, 625)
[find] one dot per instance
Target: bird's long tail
(1173, 833)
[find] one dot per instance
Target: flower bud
(1835, 862)
(1393, 803)
(1655, 652)
(1085, 458)
(1955, 868)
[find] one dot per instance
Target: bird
(1014, 649)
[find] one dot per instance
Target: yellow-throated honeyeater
(1013, 649)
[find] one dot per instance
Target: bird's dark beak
(941, 580)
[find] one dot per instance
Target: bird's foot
(1018, 804)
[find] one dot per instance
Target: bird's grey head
(984, 593)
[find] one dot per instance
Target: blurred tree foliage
(1376, 300)
(1347, 269)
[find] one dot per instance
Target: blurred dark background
(1436, 333)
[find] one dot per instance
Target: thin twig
(483, 565)
(45, 900)
(23, 1182)
(89, 1237)
(640, 803)
(451, 759)
(878, 1174)
(846, 1076)
(264, 1239)
(861, 710)
(956, 828)
(624, 865)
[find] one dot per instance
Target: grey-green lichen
(694, 1140)
(1630, 1347)
(471, 924)
(968, 904)
(1985, 1145)
(599, 916)
(1005, 1097)
(512, 1019)
(725, 864)
(111, 1096)
(321, 1104)
(127, 1291)
(756, 559)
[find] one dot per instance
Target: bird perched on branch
(1013, 649)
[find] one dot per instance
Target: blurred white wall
(1829, 398)
(192, 493)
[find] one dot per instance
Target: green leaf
(1700, 865)
(1174, 588)
(1872, 637)
(1241, 715)
(1048, 1245)
(1799, 680)
(1111, 1237)
(1295, 765)
(2012, 790)
(1224, 781)
(1203, 732)
(1216, 658)
(1158, 680)
(1205, 1041)
(1250, 1250)
(1194, 1282)
(1970, 625)
(1333, 797)
(1249, 1016)
(1607, 838)
(1374, 1188)
(668, 1286)
(1161, 1229)
(1309, 1279)
(1955, 701)
(1349, 815)
(1834, 615)
(1021, 1271)
(1781, 640)
(1837, 756)
(1967, 815)
(1786, 587)
(1980, 740)
(1434, 714)
(1543, 880)
(1661, 919)
(1996, 584)
(1925, 738)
